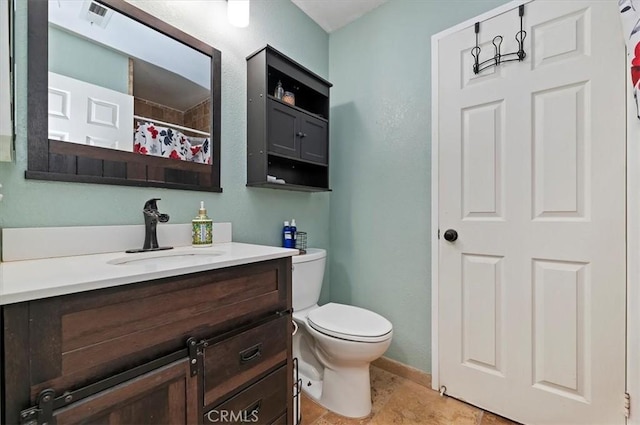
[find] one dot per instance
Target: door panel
(561, 38)
(313, 145)
(532, 177)
(282, 137)
(165, 396)
(482, 329)
(81, 112)
(561, 317)
(560, 140)
(482, 161)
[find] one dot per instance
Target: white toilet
(335, 343)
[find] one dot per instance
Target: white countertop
(42, 278)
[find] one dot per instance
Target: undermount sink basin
(167, 258)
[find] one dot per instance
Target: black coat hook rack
(498, 57)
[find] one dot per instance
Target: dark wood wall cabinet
(284, 140)
(208, 347)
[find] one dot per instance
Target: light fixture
(238, 13)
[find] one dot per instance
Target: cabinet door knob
(301, 134)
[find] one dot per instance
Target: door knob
(450, 235)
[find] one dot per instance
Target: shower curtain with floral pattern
(630, 12)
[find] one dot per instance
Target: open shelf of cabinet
(287, 141)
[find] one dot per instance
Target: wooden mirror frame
(72, 162)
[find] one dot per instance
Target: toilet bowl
(335, 343)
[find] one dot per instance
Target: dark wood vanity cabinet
(178, 350)
(287, 141)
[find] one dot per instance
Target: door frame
(632, 231)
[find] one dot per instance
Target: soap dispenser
(202, 228)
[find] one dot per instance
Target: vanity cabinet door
(167, 395)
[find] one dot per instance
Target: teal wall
(379, 238)
(256, 214)
(380, 66)
(83, 60)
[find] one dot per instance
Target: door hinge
(194, 351)
(627, 405)
(438, 233)
(42, 413)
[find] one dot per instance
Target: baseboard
(404, 371)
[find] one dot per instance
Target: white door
(85, 113)
(531, 302)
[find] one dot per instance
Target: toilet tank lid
(349, 320)
(311, 255)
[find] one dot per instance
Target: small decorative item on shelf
(301, 242)
(279, 92)
(289, 98)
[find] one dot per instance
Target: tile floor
(400, 401)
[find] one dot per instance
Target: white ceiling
(334, 14)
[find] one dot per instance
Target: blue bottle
(294, 231)
(287, 237)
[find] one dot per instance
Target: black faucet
(151, 218)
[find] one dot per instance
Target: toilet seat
(350, 323)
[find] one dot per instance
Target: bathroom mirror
(117, 96)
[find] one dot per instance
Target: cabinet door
(167, 395)
(313, 139)
(282, 123)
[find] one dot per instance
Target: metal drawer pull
(250, 414)
(251, 353)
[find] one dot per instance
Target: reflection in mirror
(119, 84)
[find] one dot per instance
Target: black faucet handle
(163, 218)
(151, 204)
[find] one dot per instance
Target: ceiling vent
(96, 13)
(97, 9)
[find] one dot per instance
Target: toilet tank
(307, 275)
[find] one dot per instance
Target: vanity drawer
(234, 361)
(263, 403)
